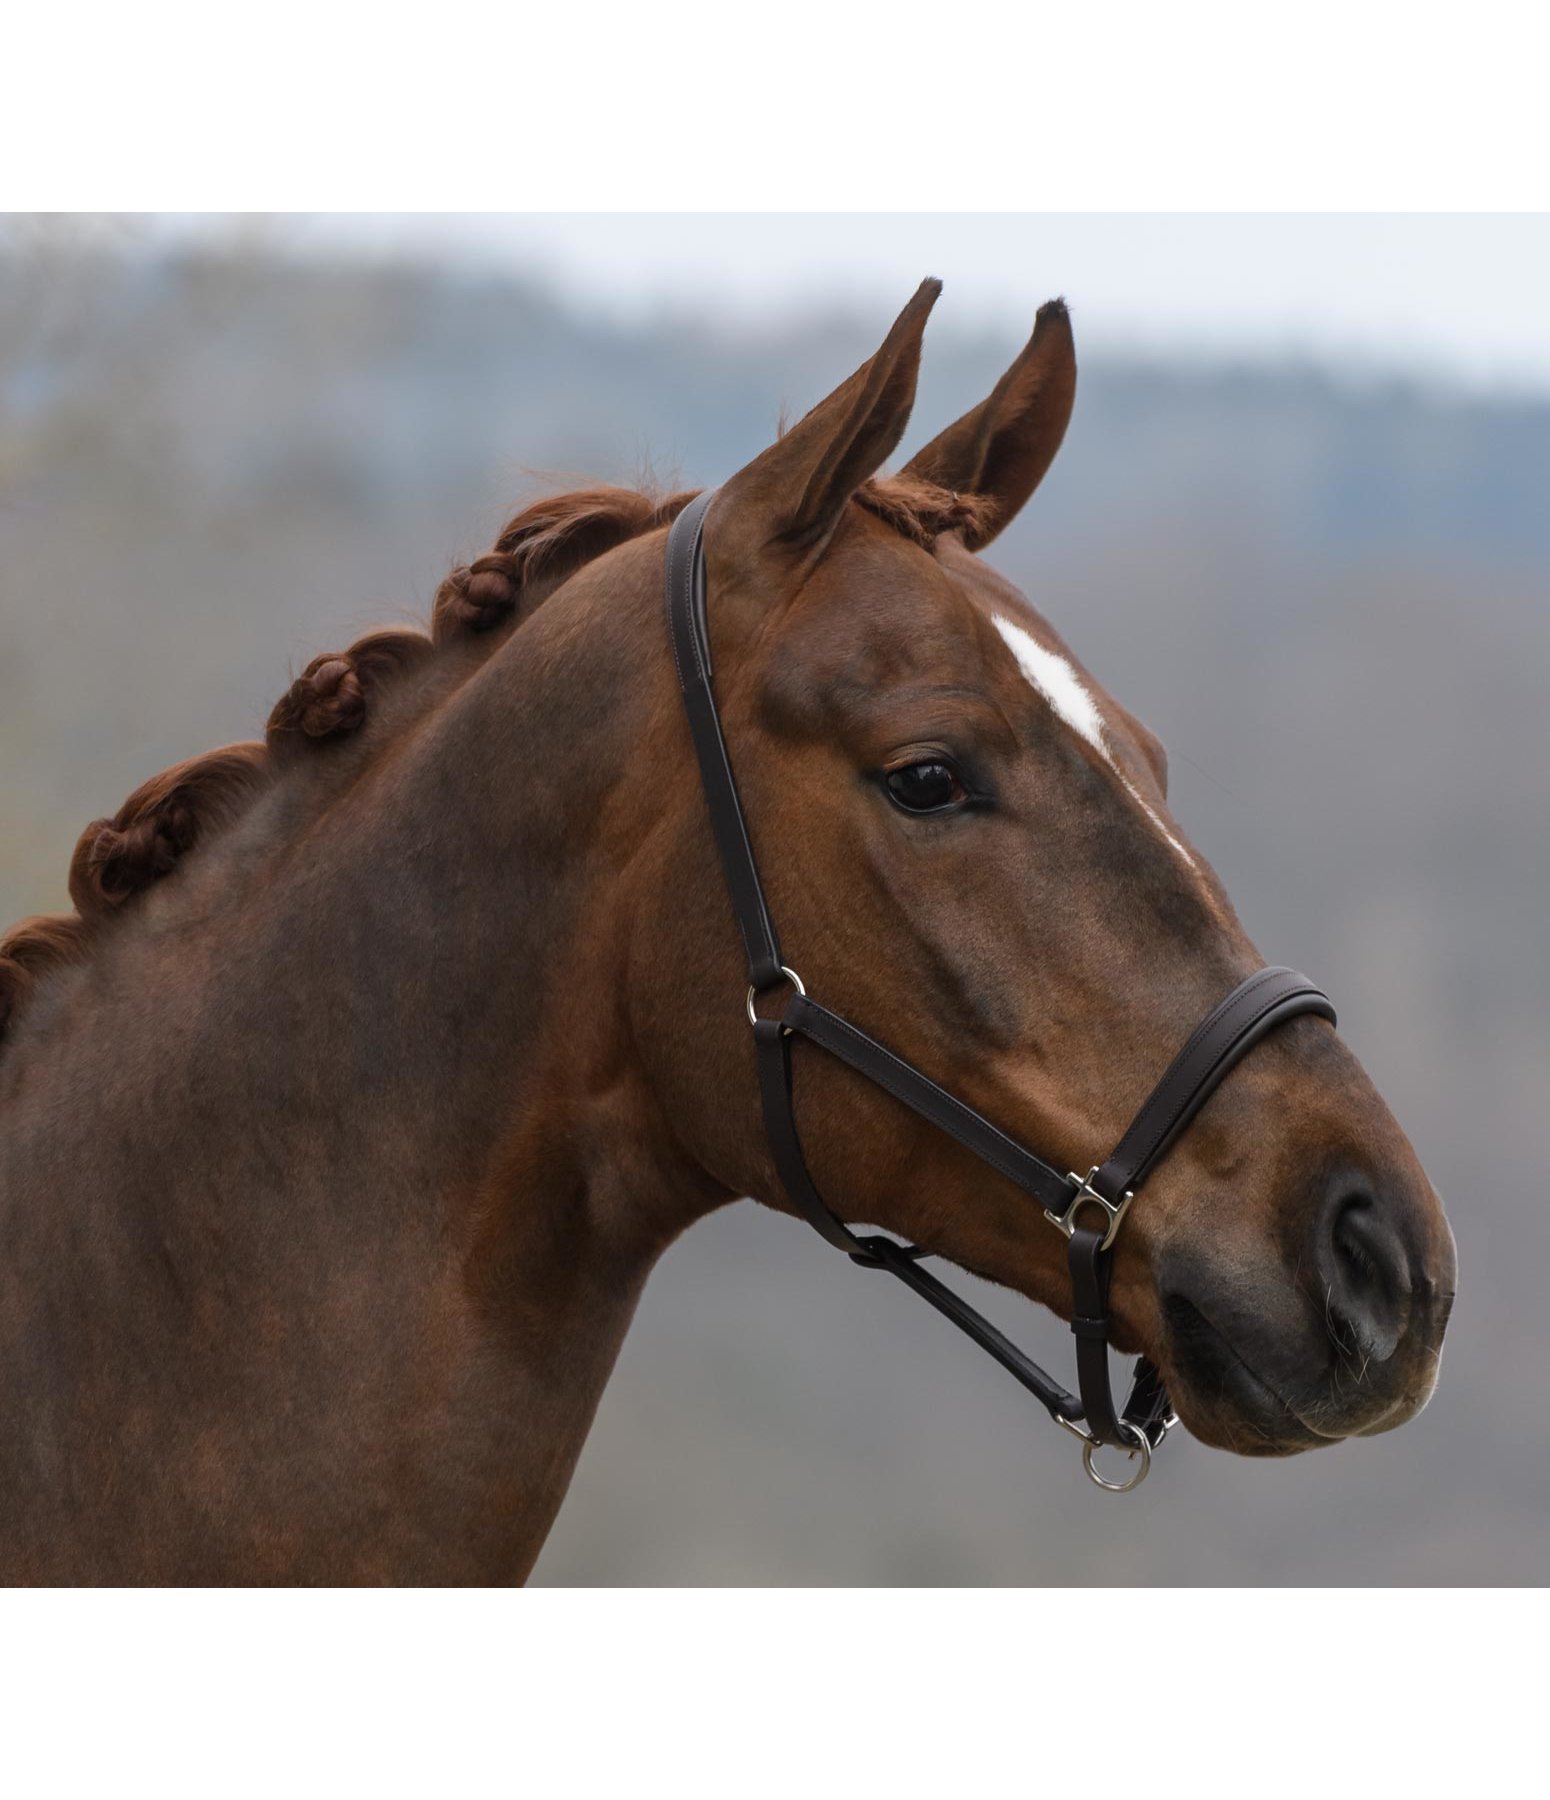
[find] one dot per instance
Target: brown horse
(342, 1124)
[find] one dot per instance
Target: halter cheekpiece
(1087, 1209)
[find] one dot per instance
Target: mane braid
(537, 551)
(34, 948)
(329, 697)
(160, 822)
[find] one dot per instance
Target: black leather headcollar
(1088, 1210)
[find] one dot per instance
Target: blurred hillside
(1332, 602)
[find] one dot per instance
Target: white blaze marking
(1053, 677)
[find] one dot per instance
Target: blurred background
(1301, 525)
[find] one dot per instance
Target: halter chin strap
(1087, 1209)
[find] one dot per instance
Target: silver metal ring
(790, 975)
(1143, 1449)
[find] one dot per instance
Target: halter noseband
(1087, 1209)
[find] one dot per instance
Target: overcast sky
(1461, 298)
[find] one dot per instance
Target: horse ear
(1001, 450)
(794, 494)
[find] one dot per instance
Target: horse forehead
(1038, 658)
(941, 612)
(892, 606)
(1070, 695)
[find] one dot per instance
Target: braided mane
(116, 859)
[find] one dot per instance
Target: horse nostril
(1365, 1272)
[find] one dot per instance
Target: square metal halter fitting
(1087, 1195)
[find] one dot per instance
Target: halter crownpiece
(1087, 1209)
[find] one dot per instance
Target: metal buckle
(791, 976)
(1086, 1194)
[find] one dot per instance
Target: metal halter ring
(790, 975)
(1143, 1448)
(1086, 1195)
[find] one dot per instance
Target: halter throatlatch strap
(1087, 1209)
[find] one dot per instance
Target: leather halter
(1087, 1209)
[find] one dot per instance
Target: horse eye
(925, 787)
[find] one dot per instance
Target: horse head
(968, 844)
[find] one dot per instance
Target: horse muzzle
(1345, 1342)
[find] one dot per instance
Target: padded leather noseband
(1088, 1210)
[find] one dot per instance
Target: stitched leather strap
(691, 654)
(772, 1048)
(1220, 1041)
(1089, 1267)
(901, 1261)
(1227, 1033)
(922, 1095)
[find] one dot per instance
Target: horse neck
(367, 1120)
